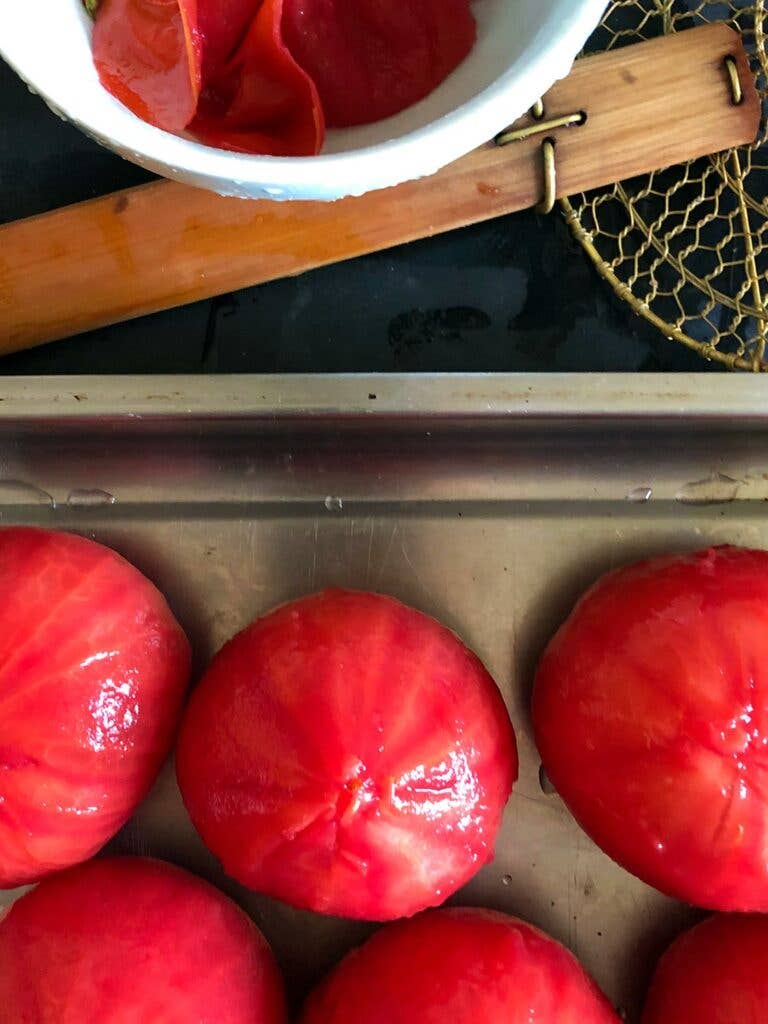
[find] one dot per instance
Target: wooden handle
(161, 245)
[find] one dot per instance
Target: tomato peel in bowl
(261, 101)
(93, 672)
(223, 26)
(148, 55)
(715, 973)
(650, 712)
(348, 755)
(131, 939)
(370, 60)
(264, 76)
(460, 965)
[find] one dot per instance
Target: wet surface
(516, 294)
(231, 518)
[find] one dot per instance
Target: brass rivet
(547, 204)
(733, 74)
(510, 135)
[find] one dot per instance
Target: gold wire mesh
(687, 247)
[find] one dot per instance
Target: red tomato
(93, 669)
(371, 59)
(260, 101)
(223, 24)
(148, 55)
(717, 973)
(348, 755)
(134, 941)
(651, 716)
(460, 966)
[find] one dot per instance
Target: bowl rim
(412, 155)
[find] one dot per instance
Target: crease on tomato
(261, 101)
(148, 54)
(223, 26)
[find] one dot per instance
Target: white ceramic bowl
(523, 47)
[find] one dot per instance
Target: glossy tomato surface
(134, 941)
(651, 716)
(717, 973)
(148, 55)
(93, 669)
(460, 966)
(348, 755)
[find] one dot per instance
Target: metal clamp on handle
(544, 127)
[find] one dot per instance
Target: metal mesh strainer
(687, 248)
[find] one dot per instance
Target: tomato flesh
(651, 716)
(462, 966)
(93, 671)
(349, 755)
(716, 973)
(134, 941)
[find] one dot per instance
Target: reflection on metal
(489, 501)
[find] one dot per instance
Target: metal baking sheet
(490, 502)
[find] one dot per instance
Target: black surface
(513, 294)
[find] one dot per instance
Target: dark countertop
(516, 294)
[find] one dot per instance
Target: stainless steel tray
(490, 502)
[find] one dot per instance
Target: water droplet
(545, 782)
(717, 489)
(90, 498)
(334, 504)
(18, 492)
(507, 880)
(640, 495)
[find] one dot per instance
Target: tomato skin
(134, 941)
(263, 76)
(260, 100)
(370, 60)
(218, 67)
(148, 54)
(223, 24)
(650, 712)
(93, 671)
(459, 965)
(348, 755)
(716, 973)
